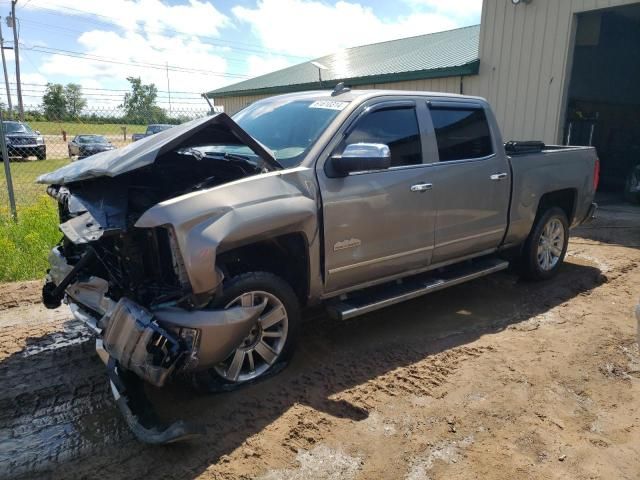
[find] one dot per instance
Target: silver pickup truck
(192, 253)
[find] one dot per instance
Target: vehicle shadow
(332, 358)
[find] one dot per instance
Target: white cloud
(313, 28)
(261, 65)
(156, 32)
(463, 11)
(179, 52)
(150, 32)
(195, 17)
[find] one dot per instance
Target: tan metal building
(562, 71)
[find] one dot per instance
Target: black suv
(23, 141)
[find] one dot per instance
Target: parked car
(22, 141)
(83, 146)
(195, 255)
(151, 130)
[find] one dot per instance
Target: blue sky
(204, 44)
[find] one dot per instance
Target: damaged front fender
(208, 222)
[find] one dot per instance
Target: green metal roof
(442, 54)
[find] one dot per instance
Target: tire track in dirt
(53, 398)
(57, 417)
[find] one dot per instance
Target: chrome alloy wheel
(550, 244)
(265, 342)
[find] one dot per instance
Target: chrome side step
(375, 298)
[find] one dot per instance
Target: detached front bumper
(150, 343)
(136, 343)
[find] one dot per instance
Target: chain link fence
(43, 143)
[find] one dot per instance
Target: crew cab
(193, 252)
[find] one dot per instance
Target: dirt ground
(496, 378)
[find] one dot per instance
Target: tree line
(66, 103)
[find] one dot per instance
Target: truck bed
(550, 168)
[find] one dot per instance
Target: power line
(96, 58)
(112, 95)
(113, 101)
(104, 89)
(226, 55)
(51, 8)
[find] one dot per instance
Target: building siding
(526, 52)
(525, 62)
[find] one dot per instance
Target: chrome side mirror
(361, 157)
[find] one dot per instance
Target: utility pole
(7, 170)
(16, 50)
(6, 75)
(168, 87)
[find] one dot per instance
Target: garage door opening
(603, 107)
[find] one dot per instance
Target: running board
(381, 296)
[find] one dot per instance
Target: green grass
(76, 128)
(24, 245)
(24, 175)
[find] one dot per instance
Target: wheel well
(286, 256)
(564, 199)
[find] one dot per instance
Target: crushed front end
(130, 286)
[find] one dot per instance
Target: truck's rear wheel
(271, 341)
(546, 246)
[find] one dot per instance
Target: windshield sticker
(329, 104)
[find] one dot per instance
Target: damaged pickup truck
(191, 253)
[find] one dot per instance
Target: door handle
(496, 177)
(421, 187)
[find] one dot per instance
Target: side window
(461, 133)
(395, 127)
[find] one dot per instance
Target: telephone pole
(16, 50)
(6, 75)
(168, 87)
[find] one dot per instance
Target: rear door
(379, 223)
(471, 181)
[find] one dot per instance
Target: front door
(379, 223)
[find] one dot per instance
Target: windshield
(287, 127)
(92, 139)
(15, 127)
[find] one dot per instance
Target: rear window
(461, 133)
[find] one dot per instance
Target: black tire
(530, 264)
(258, 282)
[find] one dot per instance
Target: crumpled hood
(219, 128)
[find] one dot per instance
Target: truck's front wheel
(271, 341)
(546, 246)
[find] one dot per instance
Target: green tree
(54, 102)
(74, 100)
(140, 104)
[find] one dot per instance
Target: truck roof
(351, 95)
